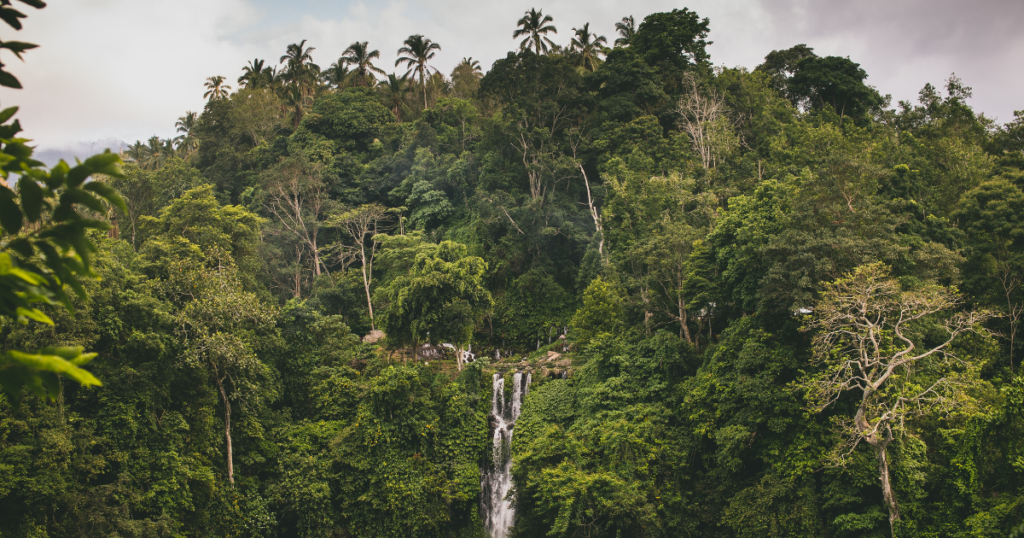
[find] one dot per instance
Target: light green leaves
(45, 247)
(38, 371)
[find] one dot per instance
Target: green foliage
(682, 220)
(833, 81)
(12, 17)
(442, 296)
(672, 41)
(352, 119)
(46, 246)
(196, 226)
(409, 462)
(600, 313)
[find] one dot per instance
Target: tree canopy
(709, 301)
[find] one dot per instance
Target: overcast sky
(127, 69)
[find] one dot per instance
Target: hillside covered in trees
(710, 302)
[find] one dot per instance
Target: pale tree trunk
(366, 284)
(879, 443)
(595, 215)
(887, 493)
(359, 224)
(1013, 310)
(423, 82)
(227, 429)
(298, 274)
(684, 329)
(316, 258)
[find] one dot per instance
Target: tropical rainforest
(756, 302)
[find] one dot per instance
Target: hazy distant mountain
(51, 156)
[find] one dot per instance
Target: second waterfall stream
(496, 480)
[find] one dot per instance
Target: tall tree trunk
(597, 217)
(316, 258)
(298, 274)
(227, 429)
(887, 493)
(423, 82)
(880, 444)
(366, 283)
(684, 327)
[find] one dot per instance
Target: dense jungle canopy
(760, 302)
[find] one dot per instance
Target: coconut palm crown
(215, 88)
(588, 46)
(534, 25)
(415, 54)
(299, 67)
(394, 89)
(626, 28)
(359, 56)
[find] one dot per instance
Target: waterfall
(496, 475)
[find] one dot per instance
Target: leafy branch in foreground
(13, 19)
(44, 246)
(43, 239)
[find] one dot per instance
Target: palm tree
(299, 67)
(466, 78)
(215, 88)
(295, 100)
(157, 152)
(473, 66)
(297, 56)
(187, 141)
(337, 74)
(589, 46)
(360, 57)
(252, 75)
(394, 89)
(137, 152)
(532, 25)
(418, 50)
(187, 123)
(626, 28)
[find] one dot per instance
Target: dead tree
(363, 224)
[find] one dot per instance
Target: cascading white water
(496, 476)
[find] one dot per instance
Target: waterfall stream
(498, 513)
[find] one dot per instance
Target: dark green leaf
(107, 192)
(8, 80)
(31, 198)
(57, 175)
(10, 213)
(11, 16)
(22, 246)
(8, 131)
(79, 196)
(17, 47)
(8, 113)
(78, 174)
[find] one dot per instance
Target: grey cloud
(164, 53)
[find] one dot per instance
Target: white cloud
(129, 68)
(121, 68)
